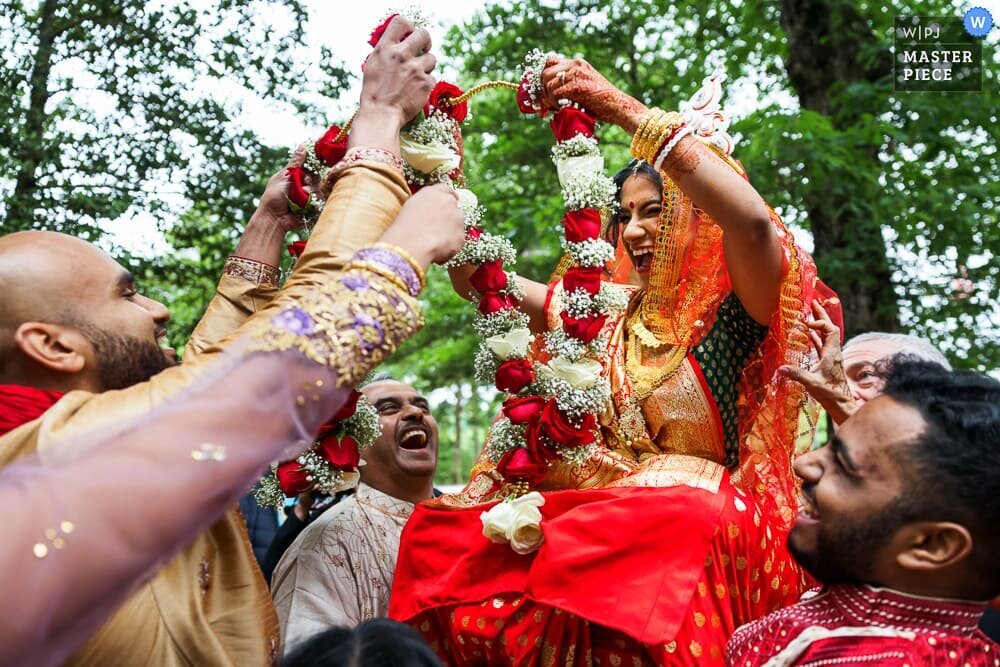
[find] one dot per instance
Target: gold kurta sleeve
(210, 605)
(235, 300)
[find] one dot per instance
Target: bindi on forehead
(631, 204)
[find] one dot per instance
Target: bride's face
(638, 218)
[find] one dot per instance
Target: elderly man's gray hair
(910, 345)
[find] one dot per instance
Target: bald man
(72, 318)
(209, 605)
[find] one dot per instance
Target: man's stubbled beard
(123, 360)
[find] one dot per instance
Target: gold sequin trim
(349, 324)
(252, 270)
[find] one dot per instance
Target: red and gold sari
(671, 534)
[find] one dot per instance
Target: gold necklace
(646, 365)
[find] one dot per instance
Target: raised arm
(750, 242)
(533, 304)
(366, 197)
(250, 276)
(82, 550)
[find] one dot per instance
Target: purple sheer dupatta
(89, 520)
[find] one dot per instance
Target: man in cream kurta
(210, 605)
(338, 572)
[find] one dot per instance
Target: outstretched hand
(430, 225)
(827, 382)
(576, 80)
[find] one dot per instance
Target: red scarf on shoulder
(20, 405)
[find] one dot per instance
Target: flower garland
(432, 153)
(552, 408)
(331, 464)
(320, 157)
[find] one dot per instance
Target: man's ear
(932, 545)
(56, 347)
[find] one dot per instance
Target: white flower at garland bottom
(517, 521)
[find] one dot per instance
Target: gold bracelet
(414, 264)
(383, 271)
(639, 138)
(650, 135)
(252, 270)
(669, 124)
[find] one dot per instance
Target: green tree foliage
(119, 109)
(877, 177)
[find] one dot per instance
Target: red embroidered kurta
(862, 625)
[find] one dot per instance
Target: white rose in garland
(432, 157)
(518, 521)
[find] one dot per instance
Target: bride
(670, 535)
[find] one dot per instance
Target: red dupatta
(20, 404)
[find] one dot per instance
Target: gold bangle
(639, 138)
(668, 125)
(380, 270)
(409, 259)
(650, 134)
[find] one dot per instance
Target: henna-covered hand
(827, 383)
(577, 80)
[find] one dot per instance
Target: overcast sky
(344, 26)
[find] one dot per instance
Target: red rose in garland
(585, 278)
(518, 464)
(523, 410)
(569, 122)
(584, 329)
(514, 375)
(328, 149)
(297, 193)
(442, 91)
(489, 277)
(380, 30)
(292, 478)
(342, 453)
(493, 302)
(347, 409)
(582, 225)
(296, 248)
(560, 431)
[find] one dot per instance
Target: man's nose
(411, 411)
(159, 312)
(809, 466)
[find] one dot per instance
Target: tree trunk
(30, 152)
(456, 456)
(825, 40)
